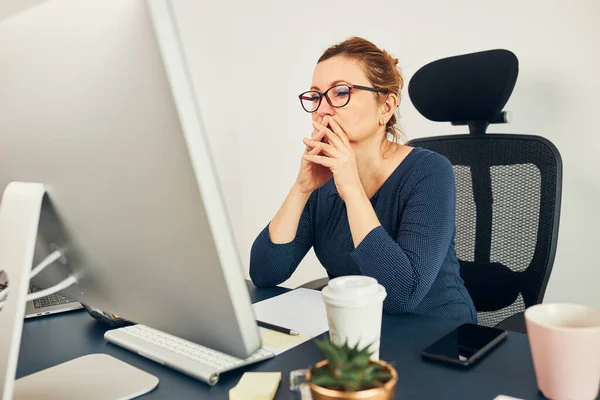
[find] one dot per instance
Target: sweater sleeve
(408, 265)
(272, 264)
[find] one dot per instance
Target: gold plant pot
(383, 393)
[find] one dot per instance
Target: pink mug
(565, 346)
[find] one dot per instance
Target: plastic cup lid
(353, 291)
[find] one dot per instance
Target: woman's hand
(338, 157)
(311, 175)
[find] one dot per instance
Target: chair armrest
(317, 284)
(514, 323)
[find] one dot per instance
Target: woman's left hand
(339, 158)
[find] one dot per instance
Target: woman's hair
(379, 66)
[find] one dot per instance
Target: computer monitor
(96, 104)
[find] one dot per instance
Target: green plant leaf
(352, 386)
(383, 376)
(361, 359)
(353, 351)
(318, 373)
(372, 369)
(351, 374)
(366, 385)
(332, 353)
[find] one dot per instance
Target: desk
(50, 340)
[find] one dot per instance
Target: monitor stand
(20, 212)
(91, 377)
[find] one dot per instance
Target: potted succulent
(349, 373)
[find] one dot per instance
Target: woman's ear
(389, 107)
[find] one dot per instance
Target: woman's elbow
(261, 283)
(259, 274)
(260, 278)
(395, 307)
(265, 274)
(400, 299)
(398, 304)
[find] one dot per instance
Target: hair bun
(393, 60)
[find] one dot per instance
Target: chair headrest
(469, 87)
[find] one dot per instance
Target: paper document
(301, 310)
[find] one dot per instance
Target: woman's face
(360, 117)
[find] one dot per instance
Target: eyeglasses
(311, 100)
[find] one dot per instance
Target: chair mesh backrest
(507, 211)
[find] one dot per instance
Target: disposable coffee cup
(354, 306)
(565, 346)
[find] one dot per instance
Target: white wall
(11, 7)
(251, 59)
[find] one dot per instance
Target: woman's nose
(325, 109)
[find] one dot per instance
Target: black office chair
(508, 185)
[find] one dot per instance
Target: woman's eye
(342, 93)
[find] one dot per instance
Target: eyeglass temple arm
(369, 88)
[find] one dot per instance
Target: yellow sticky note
(256, 386)
(278, 342)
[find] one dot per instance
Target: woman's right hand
(312, 176)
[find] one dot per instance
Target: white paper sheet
(301, 310)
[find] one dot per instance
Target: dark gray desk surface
(48, 341)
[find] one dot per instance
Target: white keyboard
(190, 358)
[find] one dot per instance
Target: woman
(368, 205)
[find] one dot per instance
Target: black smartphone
(465, 345)
(111, 320)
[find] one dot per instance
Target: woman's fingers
(313, 136)
(324, 147)
(337, 129)
(321, 160)
(331, 137)
(315, 130)
(314, 151)
(316, 135)
(319, 135)
(310, 149)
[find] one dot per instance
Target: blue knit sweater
(411, 254)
